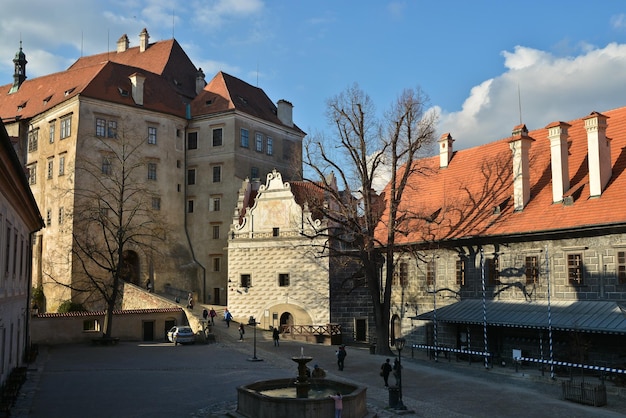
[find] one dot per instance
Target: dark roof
(586, 316)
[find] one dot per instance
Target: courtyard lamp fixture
(400, 342)
(252, 322)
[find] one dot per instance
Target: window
(190, 206)
(215, 204)
(112, 129)
(152, 171)
(460, 272)
(275, 232)
(493, 272)
(61, 215)
(404, 274)
(191, 176)
(621, 267)
(66, 127)
(101, 127)
(91, 325)
(245, 142)
(575, 269)
(192, 140)
(217, 174)
(430, 273)
(7, 253)
(269, 147)
(51, 131)
(245, 280)
(32, 174)
(152, 135)
(532, 270)
(217, 264)
(50, 168)
(283, 279)
(216, 231)
(259, 142)
(62, 165)
(156, 203)
(33, 140)
(106, 166)
(254, 173)
(217, 137)
(49, 217)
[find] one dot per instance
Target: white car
(182, 334)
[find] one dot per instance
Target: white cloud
(549, 88)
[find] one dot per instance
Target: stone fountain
(302, 381)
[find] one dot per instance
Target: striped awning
(586, 316)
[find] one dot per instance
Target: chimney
(520, 144)
(445, 150)
(599, 153)
(143, 40)
(557, 134)
(137, 81)
(285, 112)
(122, 43)
(200, 81)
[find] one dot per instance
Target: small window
(493, 271)
(254, 173)
(50, 168)
(51, 132)
(156, 203)
(460, 272)
(621, 267)
(245, 141)
(152, 171)
(217, 174)
(217, 137)
(246, 280)
(66, 127)
(106, 166)
(152, 135)
(62, 165)
(215, 204)
(191, 176)
(91, 325)
(575, 269)
(283, 279)
(61, 215)
(33, 140)
(190, 206)
(112, 129)
(49, 217)
(259, 142)
(275, 232)
(532, 270)
(217, 264)
(101, 127)
(216, 231)
(32, 174)
(430, 273)
(192, 140)
(404, 274)
(269, 147)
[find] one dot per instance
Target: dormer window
(123, 92)
(47, 100)
(69, 91)
(22, 105)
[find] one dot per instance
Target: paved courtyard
(159, 379)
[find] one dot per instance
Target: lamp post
(399, 346)
(253, 323)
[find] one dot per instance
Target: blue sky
(476, 60)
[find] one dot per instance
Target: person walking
(205, 314)
(241, 332)
(341, 356)
(276, 337)
(385, 370)
(338, 404)
(227, 317)
(190, 301)
(212, 315)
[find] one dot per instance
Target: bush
(69, 306)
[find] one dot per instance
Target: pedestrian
(148, 285)
(276, 337)
(338, 404)
(205, 314)
(212, 314)
(241, 332)
(190, 301)
(318, 372)
(396, 371)
(385, 370)
(341, 356)
(227, 317)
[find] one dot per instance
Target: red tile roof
(115, 312)
(225, 93)
(473, 196)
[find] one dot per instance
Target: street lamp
(399, 346)
(253, 323)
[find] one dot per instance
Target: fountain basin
(253, 403)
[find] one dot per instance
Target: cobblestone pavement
(158, 379)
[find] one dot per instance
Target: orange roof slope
(473, 196)
(227, 93)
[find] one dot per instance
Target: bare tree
(368, 150)
(115, 216)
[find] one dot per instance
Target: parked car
(181, 334)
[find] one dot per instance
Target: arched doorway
(130, 267)
(286, 319)
(396, 328)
